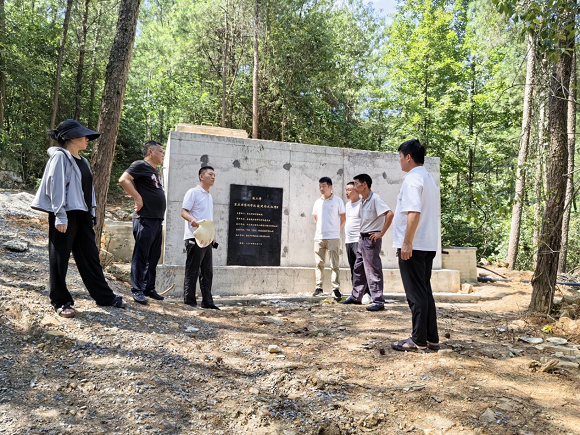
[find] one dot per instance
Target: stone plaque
(255, 226)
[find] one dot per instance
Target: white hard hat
(205, 233)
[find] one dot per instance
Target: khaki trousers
(332, 246)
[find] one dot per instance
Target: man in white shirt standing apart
(329, 214)
(198, 205)
(352, 231)
(415, 235)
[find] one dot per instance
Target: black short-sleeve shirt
(86, 181)
(148, 183)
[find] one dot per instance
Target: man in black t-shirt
(142, 182)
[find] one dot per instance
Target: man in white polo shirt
(329, 214)
(415, 235)
(352, 231)
(376, 217)
(198, 205)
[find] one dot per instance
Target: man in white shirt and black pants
(198, 205)
(415, 235)
(376, 217)
(329, 214)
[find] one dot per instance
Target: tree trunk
(94, 69)
(539, 179)
(225, 66)
(522, 157)
(69, 4)
(570, 179)
(113, 95)
(544, 279)
(161, 125)
(2, 63)
(81, 65)
(255, 76)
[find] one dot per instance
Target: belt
(365, 235)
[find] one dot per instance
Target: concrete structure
(462, 259)
(118, 239)
(296, 169)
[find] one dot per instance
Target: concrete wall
(294, 167)
(118, 239)
(462, 259)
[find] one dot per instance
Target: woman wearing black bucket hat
(67, 194)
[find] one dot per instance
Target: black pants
(416, 276)
(80, 239)
(198, 264)
(351, 250)
(146, 254)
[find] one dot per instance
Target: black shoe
(191, 304)
(351, 300)
(153, 295)
(209, 306)
(139, 297)
(337, 294)
(317, 292)
(375, 307)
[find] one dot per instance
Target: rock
(372, 420)
(568, 325)
(274, 349)
(550, 366)
(274, 321)
(55, 333)
(484, 262)
(517, 325)
(466, 288)
(331, 429)
(16, 245)
(571, 299)
(488, 416)
(173, 325)
(568, 365)
(557, 340)
(531, 340)
(191, 329)
(50, 321)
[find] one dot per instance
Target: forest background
(335, 73)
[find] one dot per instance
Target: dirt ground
(168, 370)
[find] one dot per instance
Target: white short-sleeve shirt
(418, 193)
(199, 203)
(372, 213)
(352, 225)
(328, 213)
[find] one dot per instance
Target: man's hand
(138, 204)
(376, 236)
(61, 228)
(406, 251)
(194, 224)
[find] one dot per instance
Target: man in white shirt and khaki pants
(416, 236)
(329, 214)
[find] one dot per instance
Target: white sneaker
(366, 299)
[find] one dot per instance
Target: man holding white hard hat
(199, 236)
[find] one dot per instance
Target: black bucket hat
(71, 129)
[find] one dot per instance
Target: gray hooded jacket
(61, 187)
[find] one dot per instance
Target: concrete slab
(240, 280)
(282, 299)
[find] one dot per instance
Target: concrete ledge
(240, 280)
(390, 299)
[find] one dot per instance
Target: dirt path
(163, 369)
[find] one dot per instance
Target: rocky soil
(275, 367)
